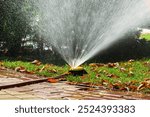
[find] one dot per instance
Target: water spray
(80, 29)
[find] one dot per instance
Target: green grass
(145, 36)
(49, 70)
(134, 71)
(118, 75)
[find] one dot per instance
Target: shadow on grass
(124, 50)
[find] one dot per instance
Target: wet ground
(56, 91)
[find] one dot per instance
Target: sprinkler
(78, 71)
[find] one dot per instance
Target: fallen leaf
(20, 69)
(140, 87)
(119, 86)
(29, 72)
(83, 77)
(104, 82)
(132, 88)
(122, 69)
(116, 86)
(117, 65)
(147, 64)
(53, 71)
(124, 89)
(17, 69)
(98, 75)
(131, 60)
(112, 76)
(36, 62)
(133, 82)
(144, 84)
(42, 69)
(96, 64)
(62, 79)
(130, 69)
(105, 72)
(66, 73)
(52, 80)
(111, 65)
(130, 74)
(94, 69)
(23, 70)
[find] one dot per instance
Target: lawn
(132, 75)
(35, 67)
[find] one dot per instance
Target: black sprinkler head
(79, 71)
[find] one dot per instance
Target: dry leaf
(98, 75)
(96, 64)
(133, 82)
(133, 88)
(52, 80)
(36, 62)
(131, 60)
(23, 70)
(122, 69)
(42, 69)
(53, 71)
(105, 72)
(147, 64)
(111, 65)
(130, 69)
(116, 65)
(20, 69)
(30, 72)
(17, 69)
(83, 77)
(112, 76)
(124, 88)
(116, 86)
(130, 74)
(104, 82)
(140, 87)
(144, 84)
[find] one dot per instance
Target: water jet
(80, 29)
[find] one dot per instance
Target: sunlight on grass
(145, 36)
(130, 71)
(109, 75)
(43, 69)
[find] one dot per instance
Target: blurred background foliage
(19, 39)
